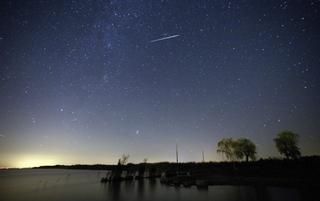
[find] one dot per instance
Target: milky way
(80, 81)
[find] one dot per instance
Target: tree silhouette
(225, 147)
(237, 149)
(124, 159)
(244, 147)
(287, 144)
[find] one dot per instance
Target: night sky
(87, 81)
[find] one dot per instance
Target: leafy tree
(225, 147)
(287, 144)
(244, 147)
(237, 149)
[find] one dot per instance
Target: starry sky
(89, 80)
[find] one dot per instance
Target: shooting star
(164, 38)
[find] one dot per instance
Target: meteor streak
(164, 38)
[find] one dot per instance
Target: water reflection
(114, 189)
(261, 193)
(65, 185)
(140, 188)
(308, 193)
(152, 185)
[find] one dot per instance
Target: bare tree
(124, 159)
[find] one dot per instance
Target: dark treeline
(307, 166)
(78, 167)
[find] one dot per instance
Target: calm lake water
(68, 185)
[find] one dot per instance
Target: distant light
(34, 161)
